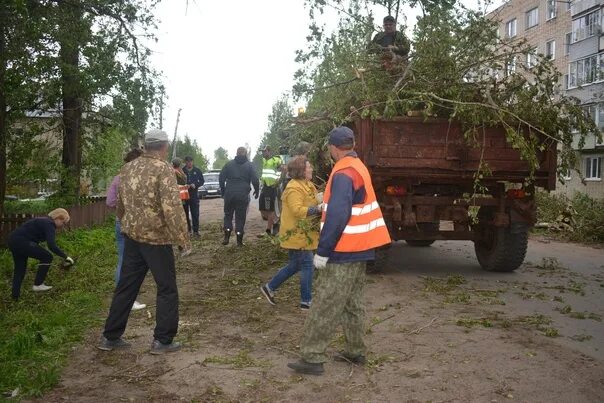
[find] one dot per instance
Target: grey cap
(155, 136)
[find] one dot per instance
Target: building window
(593, 168)
(566, 175)
(567, 40)
(586, 26)
(532, 17)
(531, 58)
(550, 49)
(551, 9)
(596, 112)
(586, 71)
(510, 28)
(510, 66)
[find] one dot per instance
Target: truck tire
(502, 249)
(419, 243)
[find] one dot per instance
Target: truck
(435, 182)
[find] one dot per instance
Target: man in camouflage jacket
(153, 220)
(390, 39)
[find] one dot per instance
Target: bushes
(579, 219)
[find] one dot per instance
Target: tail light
(516, 193)
(396, 190)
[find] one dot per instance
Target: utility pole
(175, 131)
(161, 108)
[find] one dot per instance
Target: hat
(177, 162)
(389, 18)
(155, 136)
(340, 136)
(188, 158)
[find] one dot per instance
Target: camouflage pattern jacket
(148, 203)
(400, 44)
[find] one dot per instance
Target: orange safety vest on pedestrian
(366, 228)
(183, 191)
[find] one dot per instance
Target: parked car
(210, 186)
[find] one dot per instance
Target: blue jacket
(347, 188)
(194, 177)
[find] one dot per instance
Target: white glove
(319, 197)
(320, 261)
(69, 261)
(321, 207)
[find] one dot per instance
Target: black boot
(240, 239)
(227, 236)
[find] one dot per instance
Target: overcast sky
(226, 63)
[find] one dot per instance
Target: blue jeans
(119, 240)
(299, 261)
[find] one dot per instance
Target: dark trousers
(138, 259)
(22, 249)
(236, 203)
(192, 205)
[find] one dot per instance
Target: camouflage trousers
(338, 299)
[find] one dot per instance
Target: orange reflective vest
(183, 192)
(366, 228)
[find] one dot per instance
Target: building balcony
(581, 6)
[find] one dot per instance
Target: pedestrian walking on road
(195, 181)
(352, 226)
(235, 179)
(152, 220)
(24, 243)
(300, 206)
(271, 173)
(111, 202)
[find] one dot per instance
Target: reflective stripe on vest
(366, 228)
(270, 174)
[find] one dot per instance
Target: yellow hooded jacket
(298, 196)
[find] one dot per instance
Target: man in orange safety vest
(352, 226)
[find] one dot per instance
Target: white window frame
(593, 173)
(587, 70)
(510, 66)
(550, 45)
(531, 58)
(511, 25)
(527, 19)
(586, 26)
(551, 10)
(568, 39)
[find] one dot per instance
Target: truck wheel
(420, 243)
(502, 249)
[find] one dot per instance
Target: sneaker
(41, 287)
(108, 345)
(305, 306)
(138, 306)
(157, 347)
(270, 297)
(343, 356)
(268, 232)
(196, 235)
(309, 368)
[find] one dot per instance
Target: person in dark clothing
(195, 181)
(235, 179)
(23, 244)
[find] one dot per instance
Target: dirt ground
(438, 329)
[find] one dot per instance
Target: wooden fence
(94, 213)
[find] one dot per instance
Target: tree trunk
(72, 101)
(3, 112)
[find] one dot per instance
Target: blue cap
(340, 136)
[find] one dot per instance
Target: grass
(39, 330)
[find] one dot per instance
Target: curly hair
(296, 167)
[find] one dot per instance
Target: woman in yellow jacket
(296, 234)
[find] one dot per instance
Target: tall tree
(188, 147)
(221, 157)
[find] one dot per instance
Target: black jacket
(194, 177)
(237, 175)
(38, 230)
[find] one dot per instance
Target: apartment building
(569, 32)
(586, 82)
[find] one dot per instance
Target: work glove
(68, 262)
(319, 197)
(320, 261)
